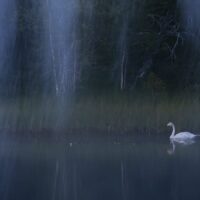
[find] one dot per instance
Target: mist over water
(190, 21)
(122, 46)
(61, 44)
(60, 50)
(37, 82)
(8, 21)
(190, 14)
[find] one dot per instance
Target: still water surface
(138, 169)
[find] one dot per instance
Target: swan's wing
(185, 135)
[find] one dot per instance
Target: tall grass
(118, 114)
(139, 114)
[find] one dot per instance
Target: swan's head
(170, 124)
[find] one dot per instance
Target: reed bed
(105, 114)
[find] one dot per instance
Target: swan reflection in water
(175, 143)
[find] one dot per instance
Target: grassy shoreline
(147, 115)
(105, 114)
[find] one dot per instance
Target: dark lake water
(138, 169)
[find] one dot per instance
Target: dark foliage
(122, 45)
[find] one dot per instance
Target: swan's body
(183, 135)
(180, 136)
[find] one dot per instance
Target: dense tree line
(122, 45)
(137, 44)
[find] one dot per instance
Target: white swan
(182, 136)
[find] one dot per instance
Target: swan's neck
(173, 131)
